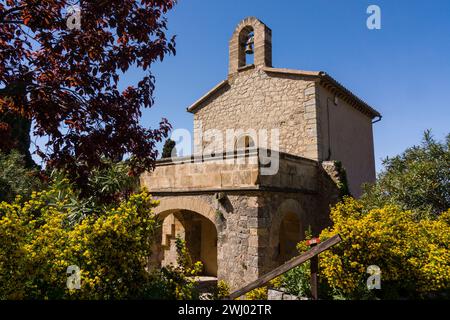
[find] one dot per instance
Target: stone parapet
(241, 170)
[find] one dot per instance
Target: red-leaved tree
(63, 76)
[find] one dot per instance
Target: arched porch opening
(199, 234)
(192, 220)
(288, 229)
(290, 234)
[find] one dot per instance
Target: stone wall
(273, 208)
(311, 120)
(281, 295)
(239, 172)
(192, 175)
(293, 173)
(256, 100)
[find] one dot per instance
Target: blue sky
(403, 70)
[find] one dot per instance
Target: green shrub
(15, 178)
(106, 187)
(297, 281)
(416, 180)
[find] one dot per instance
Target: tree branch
(3, 15)
(11, 21)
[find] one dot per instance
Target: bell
(249, 45)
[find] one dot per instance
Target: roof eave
(356, 102)
(205, 97)
(325, 79)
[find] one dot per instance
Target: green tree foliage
(15, 178)
(19, 128)
(169, 149)
(417, 180)
(107, 187)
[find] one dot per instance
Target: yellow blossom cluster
(413, 255)
(37, 245)
(257, 294)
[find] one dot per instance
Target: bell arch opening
(251, 40)
(199, 234)
(246, 46)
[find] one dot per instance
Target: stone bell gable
(262, 45)
(241, 202)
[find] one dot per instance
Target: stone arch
(244, 142)
(244, 36)
(290, 215)
(195, 221)
(173, 204)
(262, 44)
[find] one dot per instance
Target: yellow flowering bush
(413, 255)
(257, 294)
(222, 290)
(37, 245)
(184, 259)
(277, 282)
(261, 293)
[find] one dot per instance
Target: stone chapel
(240, 219)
